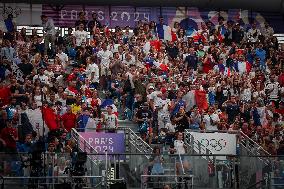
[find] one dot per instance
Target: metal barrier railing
(218, 176)
(158, 181)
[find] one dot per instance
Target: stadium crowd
(220, 77)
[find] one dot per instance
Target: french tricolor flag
(166, 33)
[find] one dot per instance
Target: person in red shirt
(68, 120)
(10, 136)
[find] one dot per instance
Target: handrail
(146, 148)
(255, 143)
(180, 161)
(92, 150)
(264, 180)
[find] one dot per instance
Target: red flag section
(201, 100)
(156, 44)
(51, 119)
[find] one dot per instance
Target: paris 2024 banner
(65, 16)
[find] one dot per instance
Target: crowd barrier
(138, 173)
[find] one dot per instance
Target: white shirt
(80, 36)
(93, 69)
(64, 59)
(207, 119)
(105, 57)
(246, 95)
(170, 127)
(130, 76)
(179, 146)
(42, 78)
(154, 96)
(253, 34)
(275, 89)
(129, 62)
(49, 27)
(164, 104)
(110, 121)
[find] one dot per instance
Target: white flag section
(35, 117)
(167, 33)
(16, 71)
(217, 143)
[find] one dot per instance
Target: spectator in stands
(110, 120)
(49, 33)
(8, 52)
(94, 24)
(224, 87)
(69, 119)
(179, 148)
(80, 36)
(10, 26)
(10, 136)
(82, 20)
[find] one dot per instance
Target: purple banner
(113, 143)
(188, 17)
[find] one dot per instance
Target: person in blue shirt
(10, 26)
(159, 28)
(261, 54)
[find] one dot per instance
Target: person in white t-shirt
(43, 78)
(180, 148)
(110, 120)
(92, 71)
(63, 57)
(80, 36)
(105, 55)
(162, 106)
(211, 119)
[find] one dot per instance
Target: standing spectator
(211, 119)
(82, 20)
(68, 120)
(191, 60)
(253, 33)
(8, 52)
(267, 31)
(10, 136)
(80, 36)
(238, 33)
(179, 148)
(110, 120)
(105, 57)
(10, 26)
(94, 24)
(48, 33)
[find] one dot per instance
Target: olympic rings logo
(214, 144)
